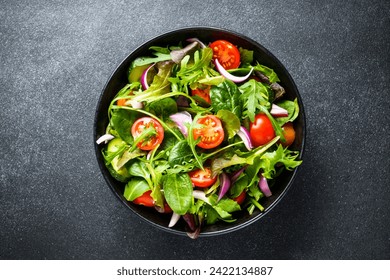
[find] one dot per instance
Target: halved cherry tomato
(202, 93)
(226, 53)
(210, 132)
(152, 141)
(145, 199)
(121, 102)
(261, 130)
(240, 199)
(202, 178)
(288, 133)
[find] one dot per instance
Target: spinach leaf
(121, 121)
(230, 122)
(178, 192)
(162, 108)
(239, 186)
(226, 96)
(135, 188)
(180, 154)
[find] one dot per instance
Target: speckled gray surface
(56, 58)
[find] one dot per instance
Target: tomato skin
(261, 130)
(226, 53)
(145, 122)
(211, 132)
(240, 199)
(288, 133)
(202, 93)
(202, 178)
(145, 199)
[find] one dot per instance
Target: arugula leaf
(254, 95)
(226, 96)
(292, 108)
(135, 188)
(220, 163)
(281, 155)
(178, 192)
(270, 73)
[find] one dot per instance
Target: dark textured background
(56, 58)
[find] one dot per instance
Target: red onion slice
(180, 119)
(278, 111)
(244, 135)
(263, 185)
(200, 195)
(229, 76)
(198, 41)
(225, 185)
(105, 138)
(175, 217)
(144, 77)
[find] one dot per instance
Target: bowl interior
(205, 34)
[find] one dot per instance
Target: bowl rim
(234, 227)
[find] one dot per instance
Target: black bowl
(206, 34)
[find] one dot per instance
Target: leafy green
(254, 96)
(226, 96)
(281, 155)
(180, 154)
(221, 162)
(139, 169)
(178, 192)
(121, 121)
(270, 73)
(158, 57)
(160, 84)
(246, 57)
(135, 188)
(230, 122)
(292, 108)
(162, 108)
(239, 186)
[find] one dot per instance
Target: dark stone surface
(55, 60)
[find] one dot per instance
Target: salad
(200, 132)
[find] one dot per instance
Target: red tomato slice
(261, 130)
(150, 142)
(288, 133)
(202, 178)
(210, 132)
(145, 199)
(240, 199)
(227, 53)
(202, 93)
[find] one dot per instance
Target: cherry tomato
(210, 132)
(145, 199)
(202, 93)
(150, 142)
(226, 53)
(202, 178)
(240, 199)
(121, 102)
(288, 133)
(261, 130)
